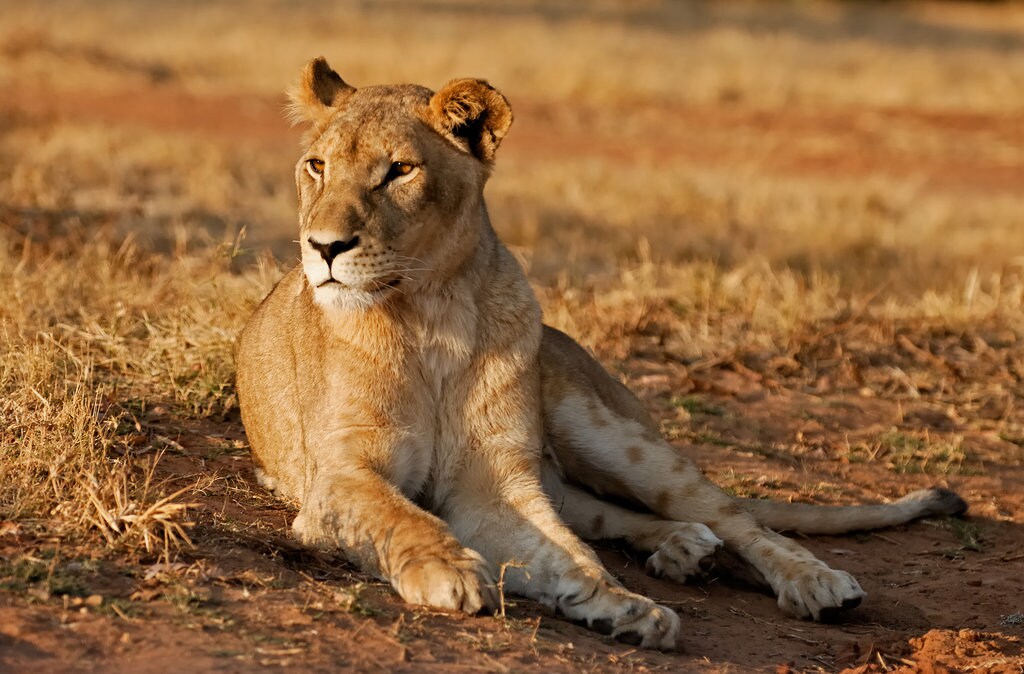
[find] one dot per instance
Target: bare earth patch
(943, 595)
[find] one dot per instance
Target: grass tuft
(96, 333)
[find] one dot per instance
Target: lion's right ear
(317, 94)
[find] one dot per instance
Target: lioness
(400, 385)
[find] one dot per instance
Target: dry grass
(931, 56)
(98, 339)
(702, 311)
(96, 335)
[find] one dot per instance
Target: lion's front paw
(631, 618)
(462, 581)
(650, 626)
(686, 552)
(819, 593)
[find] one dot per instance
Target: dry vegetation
(97, 336)
(763, 218)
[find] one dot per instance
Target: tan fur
(399, 384)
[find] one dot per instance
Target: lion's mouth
(381, 287)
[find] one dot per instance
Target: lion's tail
(823, 519)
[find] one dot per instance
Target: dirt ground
(943, 595)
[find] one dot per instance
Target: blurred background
(880, 145)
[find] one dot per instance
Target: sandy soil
(944, 596)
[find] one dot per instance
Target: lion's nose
(329, 251)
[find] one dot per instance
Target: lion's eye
(399, 170)
(315, 167)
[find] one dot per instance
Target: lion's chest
(440, 357)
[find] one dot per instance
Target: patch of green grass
(708, 438)
(46, 575)
(19, 574)
(905, 453)
(365, 610)
(116, 607)
(967, 533)
(697, 405)
(62, 583)
(859, 454)
(185, 597)
(280, 583)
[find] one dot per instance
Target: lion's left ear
(316, 96)
(473, 114)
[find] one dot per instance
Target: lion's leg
(389, 536)
(515, 527)
(603, 439)
(673, 488)
(679, 550)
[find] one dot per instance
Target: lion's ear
(473, 114)
(317, 94)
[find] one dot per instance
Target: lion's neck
(439, 314)
(445, 314)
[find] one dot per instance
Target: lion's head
(390, 186)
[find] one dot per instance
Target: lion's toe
(820, 593)
(458, 582)
(687, 552)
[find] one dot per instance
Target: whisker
(401, 269)
(406, 257)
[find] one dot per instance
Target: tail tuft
(936, 502)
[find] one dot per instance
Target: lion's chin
(338, 296)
